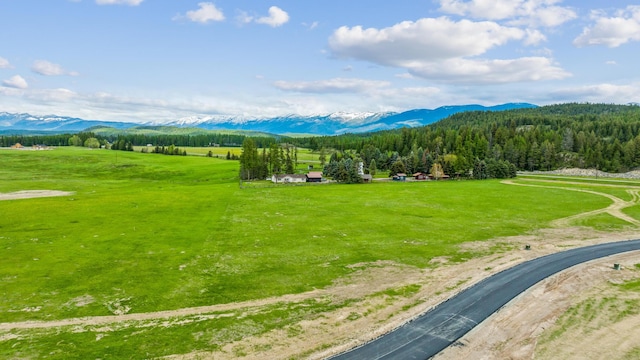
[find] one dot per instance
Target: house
(17, 146)
(420, 176)
(314, 176)
(400, 177)
(367, 178)
(289, 178)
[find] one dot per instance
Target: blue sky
(162, 60)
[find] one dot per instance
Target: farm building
(400, 177)
(420, 176)
(314, 176)
(17, 146)
(289, 178)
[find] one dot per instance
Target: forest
(602, 136)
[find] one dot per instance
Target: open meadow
(154, 255)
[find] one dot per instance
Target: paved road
(440, 327)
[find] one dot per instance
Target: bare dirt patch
(30, 194)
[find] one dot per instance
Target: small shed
(420, 176)
(367, 178)
(314, 176)
(400, 177)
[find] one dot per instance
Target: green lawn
(150, 232)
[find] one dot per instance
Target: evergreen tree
(372, 167)
(249, 160)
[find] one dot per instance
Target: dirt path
(30, 194)
(615, 209)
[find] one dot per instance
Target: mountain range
(329, 124)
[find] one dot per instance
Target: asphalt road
(440, 327)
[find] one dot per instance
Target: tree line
(495, 144)
(137, 140)
(277, 159)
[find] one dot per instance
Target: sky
(164, 60)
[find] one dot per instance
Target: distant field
(146, 232)
(305, 156)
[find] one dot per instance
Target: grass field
(147, 232)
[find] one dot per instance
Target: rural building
(289, 178)
(17, 146)
(367, 178)
(314, 176)
(400, 177)
(420, 176)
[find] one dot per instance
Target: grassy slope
(158, 232)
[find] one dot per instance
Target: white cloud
(4, 63)
(516, 12)
(611, 62)
(16, 82)
(311, 26)
(51, 95)
(612, 31)
(607, 93)
(445, 50)
(429, 39)
(468, 71)
(337, 85)
(277, 17)
(119, 2)
(243, 17)
(47, 68)
(206, 13)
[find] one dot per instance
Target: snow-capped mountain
(327, 124)
(51, 123)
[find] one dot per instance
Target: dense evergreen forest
(602, 136)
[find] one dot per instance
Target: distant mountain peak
(327, 124)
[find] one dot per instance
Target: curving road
(441, 326)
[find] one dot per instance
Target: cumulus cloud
(471, 71)
(47, 68)
(446, 50)
(277, 17)
(4, 63)
(207, 12)
(16, 82)
(612, 31)
(119, 2)
(517, 12)
(430, 39)
(337, 85)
